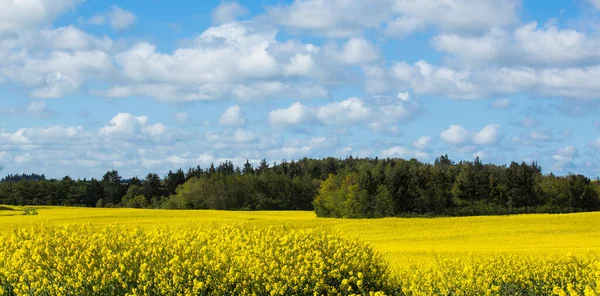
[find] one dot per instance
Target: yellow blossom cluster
(225, 260)
(505, 275)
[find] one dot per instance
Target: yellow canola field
(402, 241)
(226, 260)
(494, 255)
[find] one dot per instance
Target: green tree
(112, 187)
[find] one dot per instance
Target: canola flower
(505, 275)
(227, 260)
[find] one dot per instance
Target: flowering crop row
(226, 260)
(241, 259)
(505, 275)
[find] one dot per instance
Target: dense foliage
(348, 187)
(392, 187)
(225, 260)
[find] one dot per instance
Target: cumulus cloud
(16, 16)
(58, 73)
(232, 60)
(404, 96)
(379, 115)
(30, 138)
(563, 158)
(232, 116)
(488, 135)
(125, 125)
(399, 18)
(529, 45)
(403, 152)
(228, 11)
(335, 18)
(425, 78)
(297, 113)
(534, 137)
(457, 135)
(422, 143)
(453, 16)
(358, 51)
(297, 148)
(119, 19)
(350, 110)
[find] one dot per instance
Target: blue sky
(151, 86)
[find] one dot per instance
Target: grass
(403, 241)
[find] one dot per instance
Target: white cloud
(527, 45)
(386, 113)
(534, 137)
(382, 115)
(455, 135)
(350, 110)
(295, 114)
(487, 136)
(404, 96)
(422, 142)
(119, 19)
(595, 3)
(501, 104)
(59, 73)
(242, 136)
(300, 148)
(23, 159)
(403, 152)
(563, 159)
(424, 78)
(340, 18)
(595, 144)
(397, 151)
(228, 11)
(234, 59)
(461, 138)
(451, 16)
(300, 65)
(403, 26)
(17, 15)
(333, 18)
(358, 51)
(378, 80)
(64, 38)
(481, 154)
(125, 125)
(232, 116)
(16, 138)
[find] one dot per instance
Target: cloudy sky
(149, 86)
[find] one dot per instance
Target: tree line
(350, 187)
